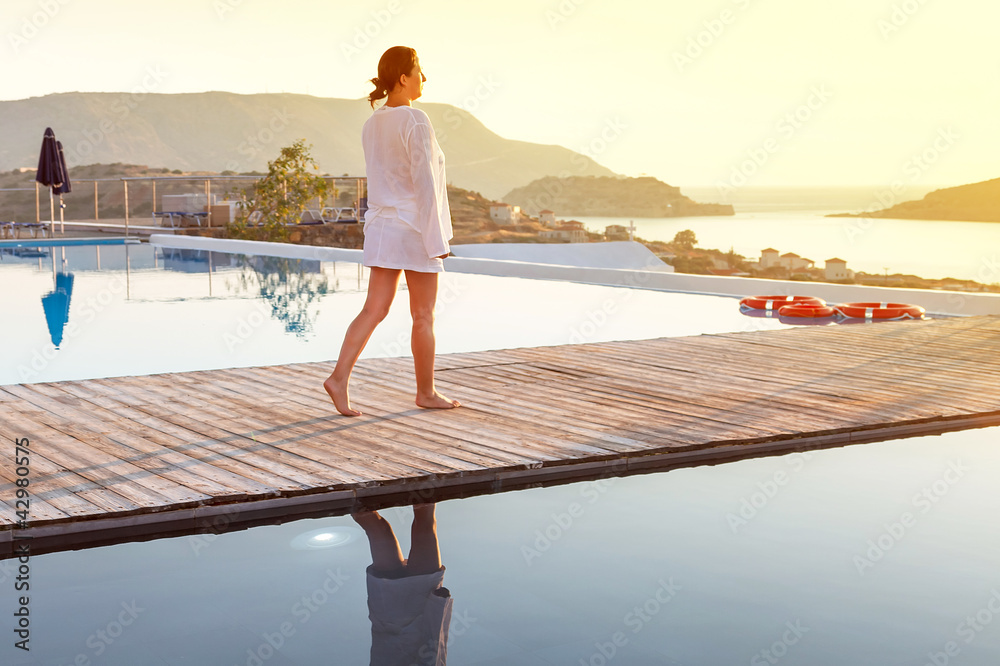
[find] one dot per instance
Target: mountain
(607, 196)
(219, 131)
(978, 202)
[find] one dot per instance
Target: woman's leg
(423, 294)
(387, 559)
(382, 285)
(425, 555)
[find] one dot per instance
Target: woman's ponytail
(380, 92)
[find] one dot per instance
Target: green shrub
(292, 180)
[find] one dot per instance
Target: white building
(565, 233)
(769, 257)
(547, 217)
(836, 269)
(616, 232)
(502, 213)
(794, 262)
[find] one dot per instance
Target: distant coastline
(960, 261)
(977, 202)
(608, 195)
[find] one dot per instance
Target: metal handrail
(216, 177)
(125, 180)
(208, 188)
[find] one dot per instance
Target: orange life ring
(776, 302)
(881, 311)
(807, 310)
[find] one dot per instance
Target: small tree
(685, 240)
(734, 260)
(281, 195)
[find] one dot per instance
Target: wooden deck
(183, 452)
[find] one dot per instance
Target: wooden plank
(682, 390)
(151, 445)
(159, 462)
(219, 469)
(424, 429)
(74, 491)
(919, 357)
(135, 445)
(204, 417)
(545, 440)
(842, 378)
(416, 443)
(436, 461)
(41, 481)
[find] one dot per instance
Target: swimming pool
(874, 554)
(806, 559)
(144, 309)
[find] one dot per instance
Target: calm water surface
(141, 309)
(879, 554)
(869, 555)
(930, 249)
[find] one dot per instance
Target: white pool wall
(939, 302)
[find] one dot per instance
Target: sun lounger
(35, 228)
(330, 214)
(339, 214)
(311, 216)
(197, 217)
(173, 216)
(177, 218)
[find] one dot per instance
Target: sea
(794, 220)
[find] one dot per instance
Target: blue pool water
(879, 554)
(145, 309)
(12, 243)
(667, 568)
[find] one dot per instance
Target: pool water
(137, 310)
(874, 554)
(879, 554)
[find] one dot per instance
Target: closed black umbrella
(65, 188)
(52, 171)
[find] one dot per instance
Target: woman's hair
(395, 62)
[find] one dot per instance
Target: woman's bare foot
(436, 401)
(338, 393)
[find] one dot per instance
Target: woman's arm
(427, 171)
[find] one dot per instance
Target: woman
(407, 227)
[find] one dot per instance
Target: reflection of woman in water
(409, 609)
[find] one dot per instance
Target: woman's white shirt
(406, 176)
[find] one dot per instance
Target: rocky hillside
(978, 202)
(607, 196)
(221, 131)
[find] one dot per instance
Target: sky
(698, 93)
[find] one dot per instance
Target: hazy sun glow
(776, 92)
